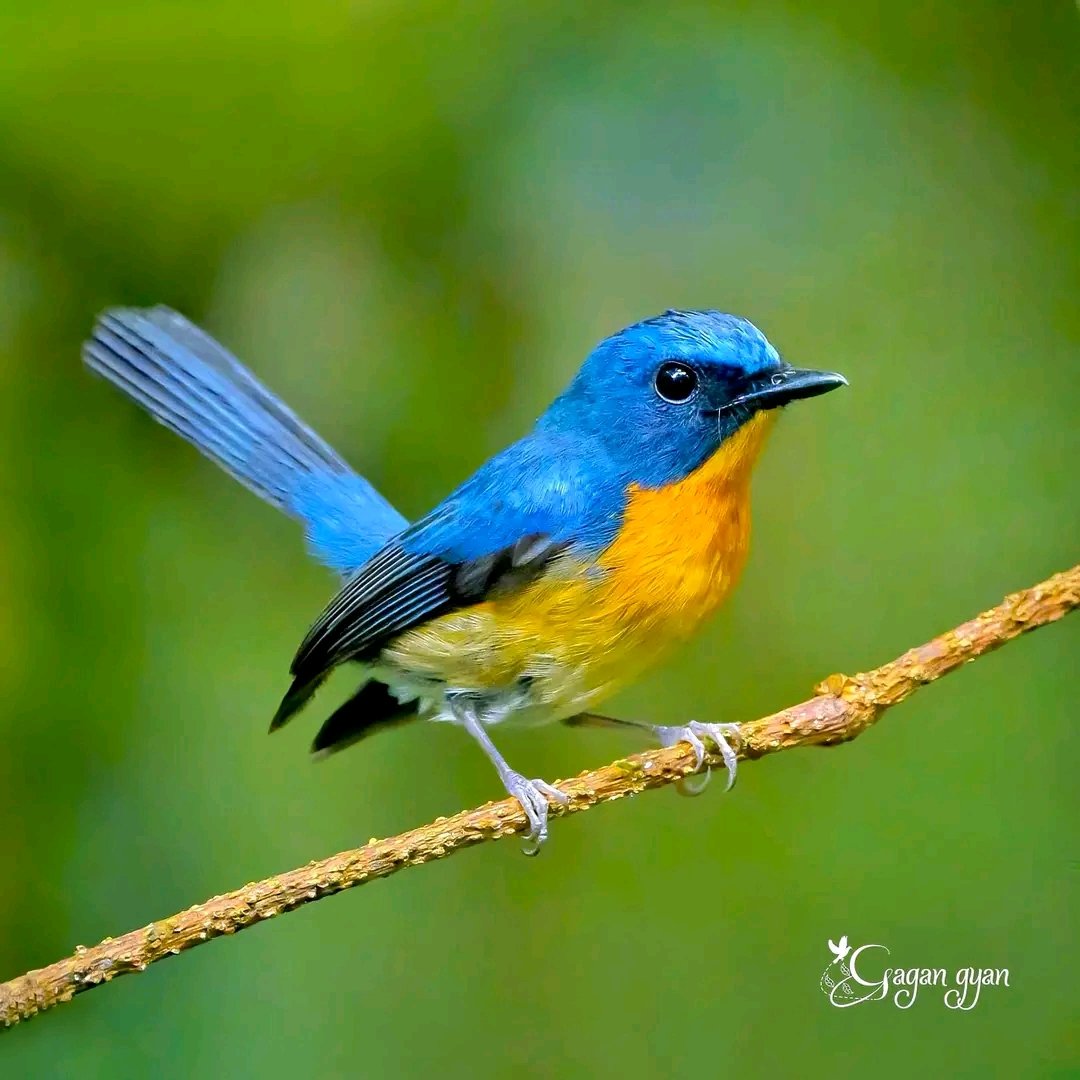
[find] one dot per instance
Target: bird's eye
(676, 382)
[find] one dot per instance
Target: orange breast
(682, 547)
(581, 631)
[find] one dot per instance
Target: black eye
(676, 382)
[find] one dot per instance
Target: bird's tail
(195, 387)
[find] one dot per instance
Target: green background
(413, 221)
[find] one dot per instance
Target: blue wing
(544, 497)
(195, 387)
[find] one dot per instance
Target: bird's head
(665, 395)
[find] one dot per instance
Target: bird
(558, 572)
(839, 951)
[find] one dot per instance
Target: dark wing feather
(373, 605)
(398, 590)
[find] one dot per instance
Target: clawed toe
(552, 792)
(533, 796)
(692, 733)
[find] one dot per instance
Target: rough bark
(843, 708)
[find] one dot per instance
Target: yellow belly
(581, 631)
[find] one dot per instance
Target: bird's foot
(693, 733)
(533, 796)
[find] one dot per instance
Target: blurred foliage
(413, 221)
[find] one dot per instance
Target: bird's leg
(532, 794)
(668, 735)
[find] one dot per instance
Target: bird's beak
(787, 385)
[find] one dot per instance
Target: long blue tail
(195, 387)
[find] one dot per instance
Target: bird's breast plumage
(588, 625)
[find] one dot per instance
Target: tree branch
(845, 706)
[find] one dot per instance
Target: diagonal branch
(845, 706)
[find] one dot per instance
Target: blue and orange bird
(552, 576)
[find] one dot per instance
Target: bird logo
(839, 951)
(835, 980)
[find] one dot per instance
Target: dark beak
(787, 385)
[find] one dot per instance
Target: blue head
(663, 395)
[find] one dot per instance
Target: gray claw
(691, 736)
(692, 733)
(533, 796)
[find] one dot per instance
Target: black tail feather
(372, 707)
